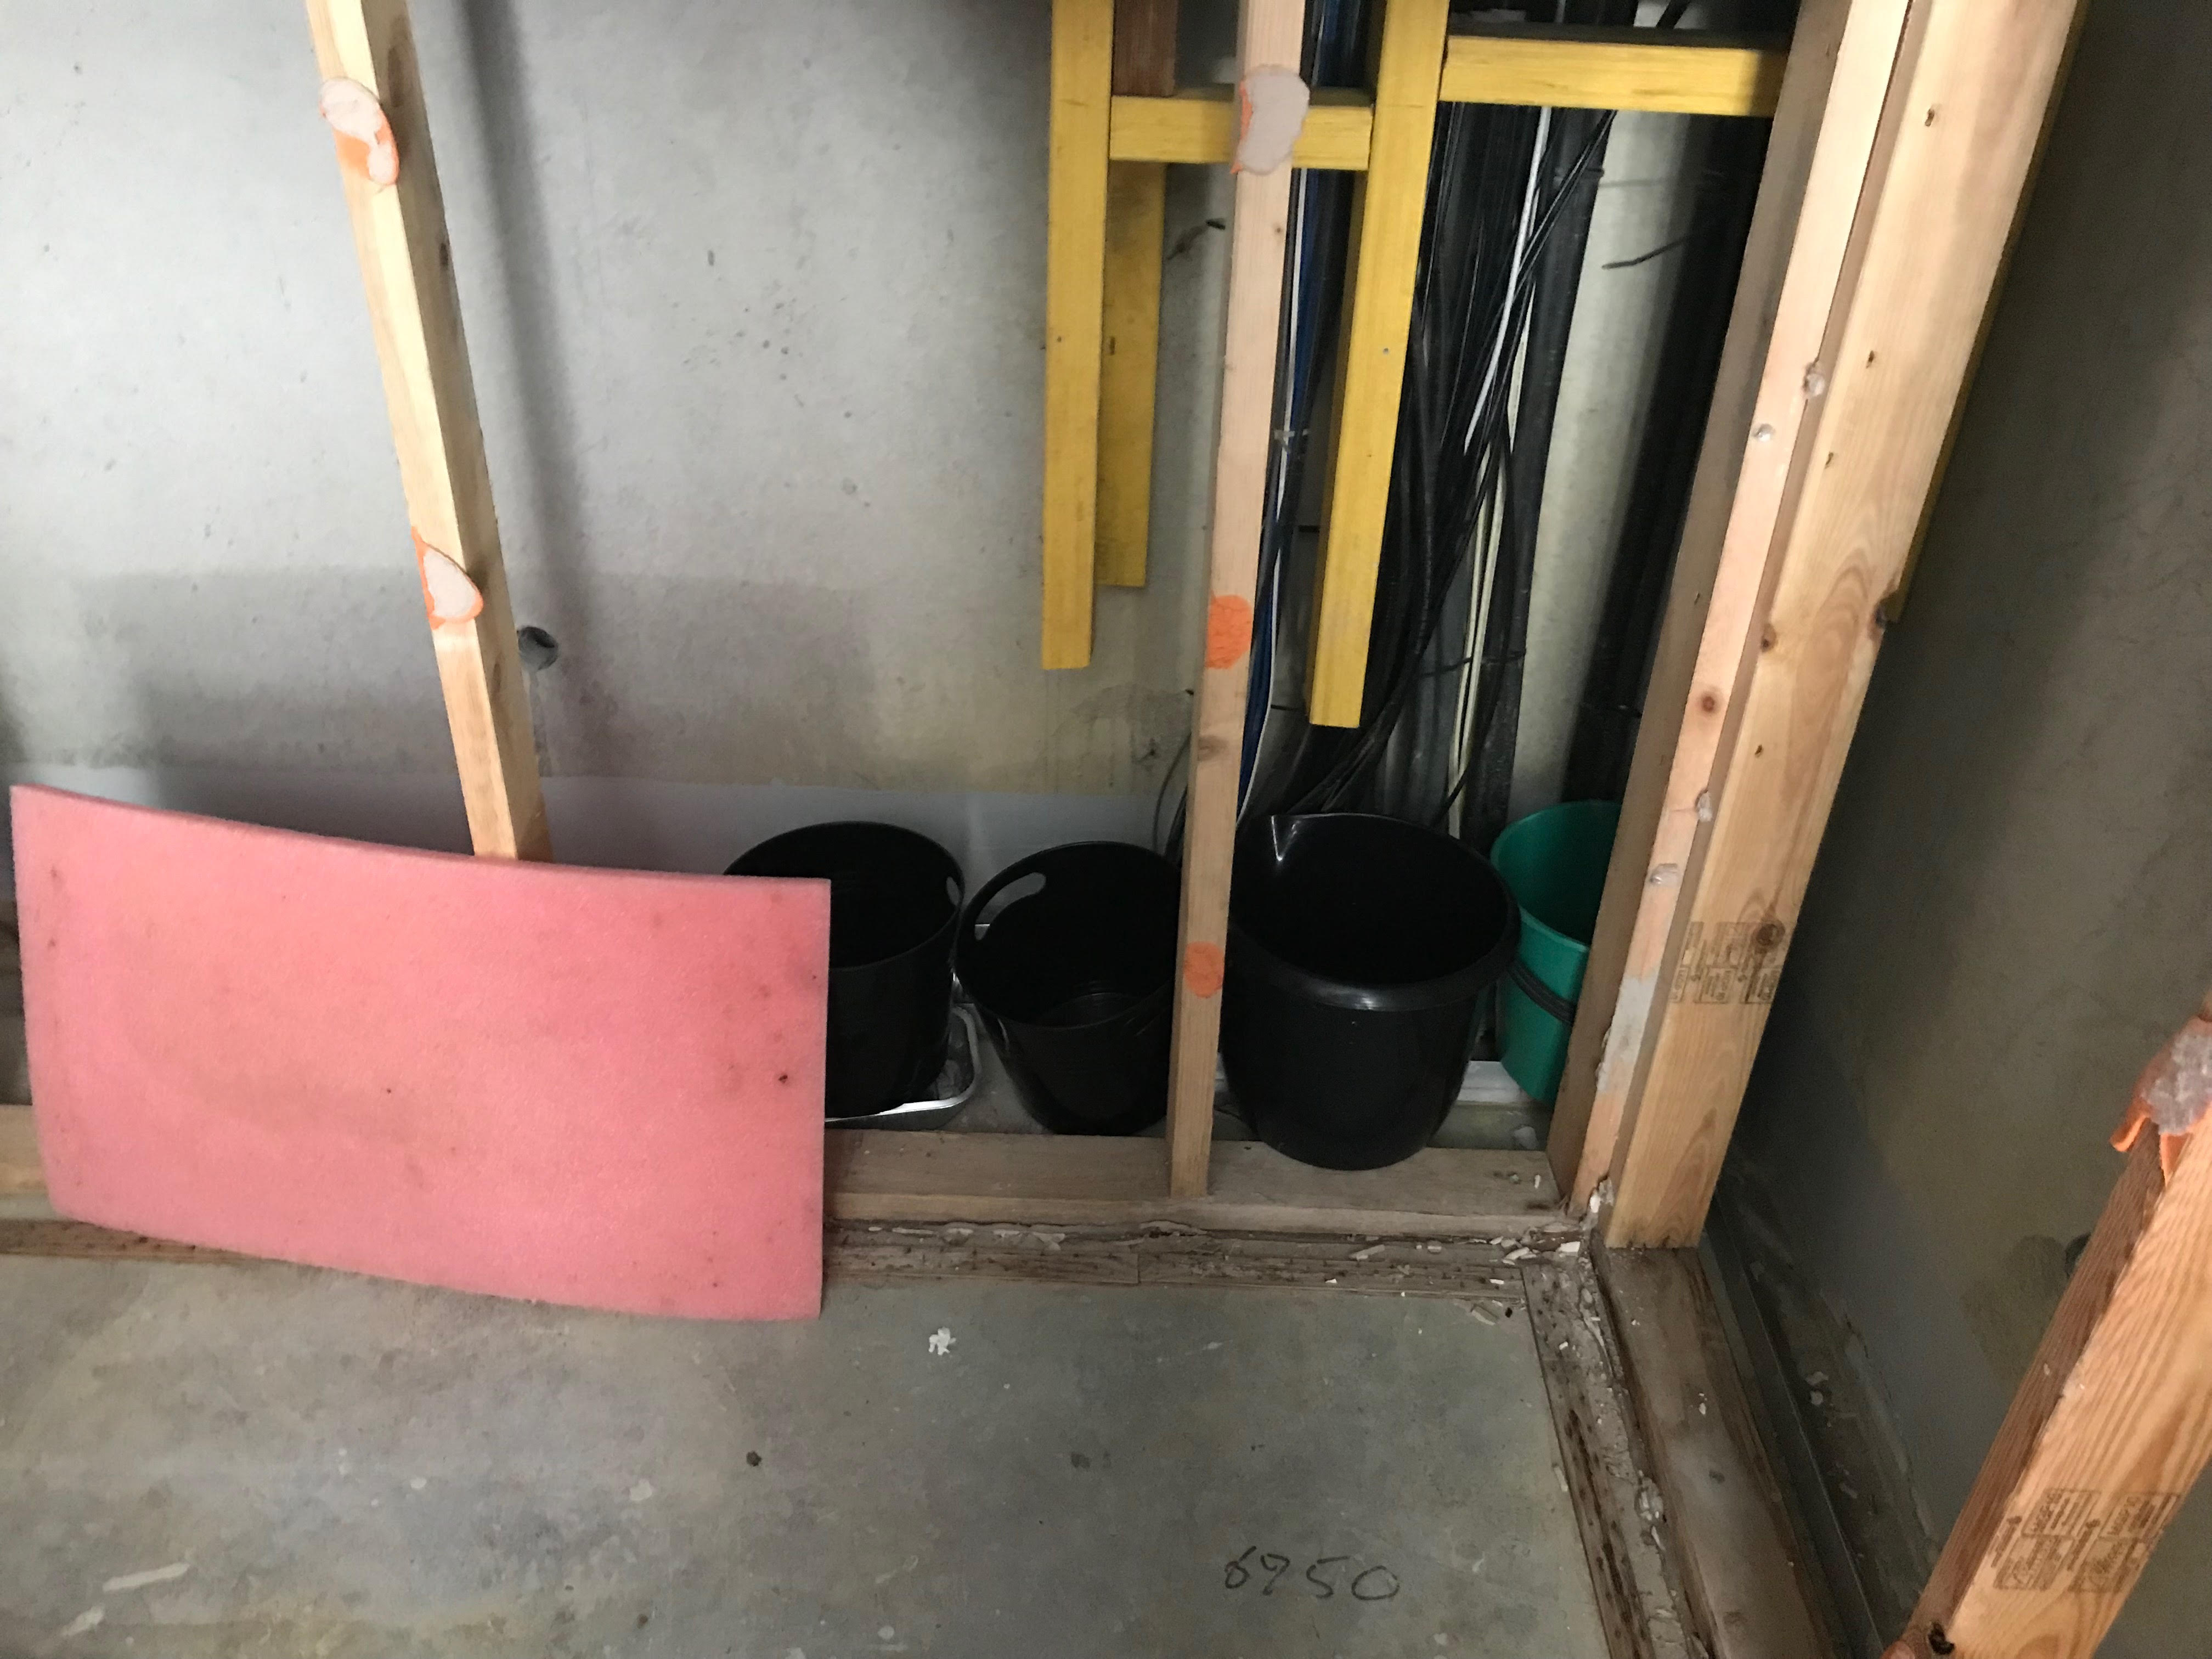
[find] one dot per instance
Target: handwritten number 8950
(1374, 1583)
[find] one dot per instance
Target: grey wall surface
(754, 295)
(2009, 914)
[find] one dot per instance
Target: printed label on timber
(1731, 962)
(2081, 1543)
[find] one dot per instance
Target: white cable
(1520, 235)
(1488, 527)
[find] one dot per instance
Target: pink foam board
(588, 1086)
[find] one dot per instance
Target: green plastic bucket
(1554, 861)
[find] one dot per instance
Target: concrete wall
(755, 300)
(2009, 912)
(754, 296)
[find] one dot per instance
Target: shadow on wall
(235, 668)
(754, 303)
(774, 308)
(551, 441)
(2007, 915)
(804, 705)
(330, 669)
(805, 702)
(786, 686)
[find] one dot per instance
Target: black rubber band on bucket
(1550, 1001)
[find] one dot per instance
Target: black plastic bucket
(1359, 948)
(1074, 981)
(894, 902)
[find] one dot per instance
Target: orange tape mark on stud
(448, 595)
(2171, 1096)
(1271, 113)
(1202, 965)
(1228, 631)
(367, 149)
(353, 155)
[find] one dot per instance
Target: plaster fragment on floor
(940, 1341)
(131, 1581)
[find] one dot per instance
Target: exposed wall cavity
(755, 302)
(2008, 916)
(754, 296)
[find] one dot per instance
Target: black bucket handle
(971, 921)
(1053, 861)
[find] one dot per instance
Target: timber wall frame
(1902, 141)
(415, 314)
(1846, 361)
(1117, 121)
(1855, 324)
(1904, 135)
(1118, 117)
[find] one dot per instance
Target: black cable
(1495, 207)
(1553, 289)
(1406, 597)
(1436, 505)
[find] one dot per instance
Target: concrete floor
(316, 1464)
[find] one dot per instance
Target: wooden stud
(1199, 127)
(1074, 309)
(1641, 1607)
(1817, 157)
(2109, 1428)
(21, 1172)
(1145, 55)
(1385, 252)
(1750, 1588)
(1898, 596)
(892, 1175)
(1591, 69)
(1270, 36)
(1502, 63)
(81, 1240)
(1612, 69)
(1136, 219)
(414, 313)
(884, 1175)
(1472, 1273)
(1971, 87)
